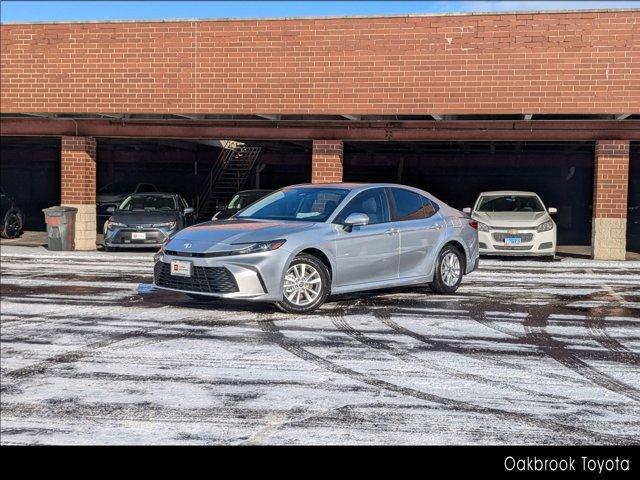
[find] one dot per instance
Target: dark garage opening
(633, 212)
(456, 172)
(30, 173)
(183, 166)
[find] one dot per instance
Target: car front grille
(124, 236)
(202, 279)
(512, 247)
(500, 236)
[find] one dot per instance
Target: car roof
(509, 192)
(354, 186)
(154, 194)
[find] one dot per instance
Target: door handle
(434, 227)
(391, 231)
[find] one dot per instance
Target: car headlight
(483, 227)
(546, 226)
(169, 225)
(111, 224)
(258, 247)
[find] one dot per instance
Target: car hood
(143, 218)
(511, 219)
(218, 235)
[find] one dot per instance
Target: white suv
(514, 223)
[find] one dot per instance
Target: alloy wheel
(302, 284)
(451, 269)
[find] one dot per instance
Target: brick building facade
(412, 78)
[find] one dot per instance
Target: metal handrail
(214, 177)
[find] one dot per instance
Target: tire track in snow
(597, 325)
(343, 325)
(286, 343)
(535, 326)
(536, 334)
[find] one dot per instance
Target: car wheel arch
(320, 255)
(460, 246)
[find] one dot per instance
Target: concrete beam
(468, 130)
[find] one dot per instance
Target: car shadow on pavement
(157, 297)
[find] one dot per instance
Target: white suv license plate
(180, 269)
(138, 236)
(512, 240)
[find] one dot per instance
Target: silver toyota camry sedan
(302, 243)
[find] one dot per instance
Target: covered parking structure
(440, 102)
(561, 173)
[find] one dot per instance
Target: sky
(30, 11)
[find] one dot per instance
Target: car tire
(448, 272)
(13, 224)
(201, 298)
(308, 282)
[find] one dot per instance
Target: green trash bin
(61, 227)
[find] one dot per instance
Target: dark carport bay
(456, 172)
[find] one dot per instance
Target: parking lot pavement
(527, 352)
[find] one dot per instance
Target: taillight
(473, 224)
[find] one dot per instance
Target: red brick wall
(581, 62)
(326, 161)
(611, 179)
(78, 170)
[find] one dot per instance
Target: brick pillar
(78, 186)
(326, 161)
(611, 181)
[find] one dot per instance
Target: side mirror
(466, 210)
(111, 209)
(553, 210)
(188, 210)
(355, 220)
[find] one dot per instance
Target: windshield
(306, 204)
(241, 200)
(148, 203)
(510, 203)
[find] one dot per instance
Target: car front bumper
(255, 276)
(532, 243)
(122, 237)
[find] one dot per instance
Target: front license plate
(512, 240)
(138, 236)
(180, 269)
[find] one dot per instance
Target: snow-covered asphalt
(526, 352)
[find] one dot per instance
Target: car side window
(408, 205)
(428, 207)
(372, 202)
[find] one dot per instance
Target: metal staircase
(227, 176)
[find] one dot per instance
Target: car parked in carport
(146, 220)
(514, 223)
(299, 244)
(239, 201)
(112, 194)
